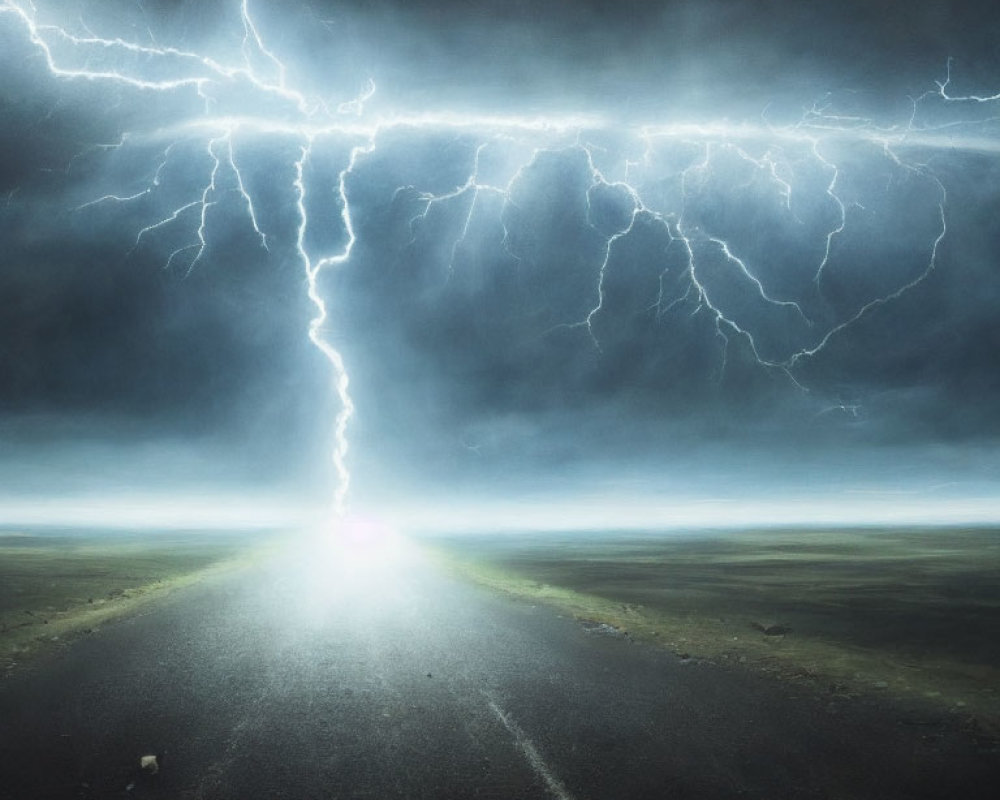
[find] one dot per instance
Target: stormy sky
(703, 249)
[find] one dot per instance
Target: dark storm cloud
(715, 58)
(99, 341)
(475, 338)
(464, 329)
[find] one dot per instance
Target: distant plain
(911, 613)
(57, 584)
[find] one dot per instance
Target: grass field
(908, 612)
(56, 585)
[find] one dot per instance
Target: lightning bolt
(943, 93)
(670, 174)
(316, 326)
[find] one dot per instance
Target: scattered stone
(429, 675)
(771, 630)
(881, 684)
(603, 629)
(130, 787)
(684, 656)
(148, 764)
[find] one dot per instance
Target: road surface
(316, 676)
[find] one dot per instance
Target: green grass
(911, 612)
(56, 586)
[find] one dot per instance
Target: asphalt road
(315, 678)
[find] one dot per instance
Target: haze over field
(655, 263)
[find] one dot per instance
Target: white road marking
(530, 752)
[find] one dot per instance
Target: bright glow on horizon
(619, 514)
(350, 567)
(364, 539)
(378, 537)
(154, 512)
